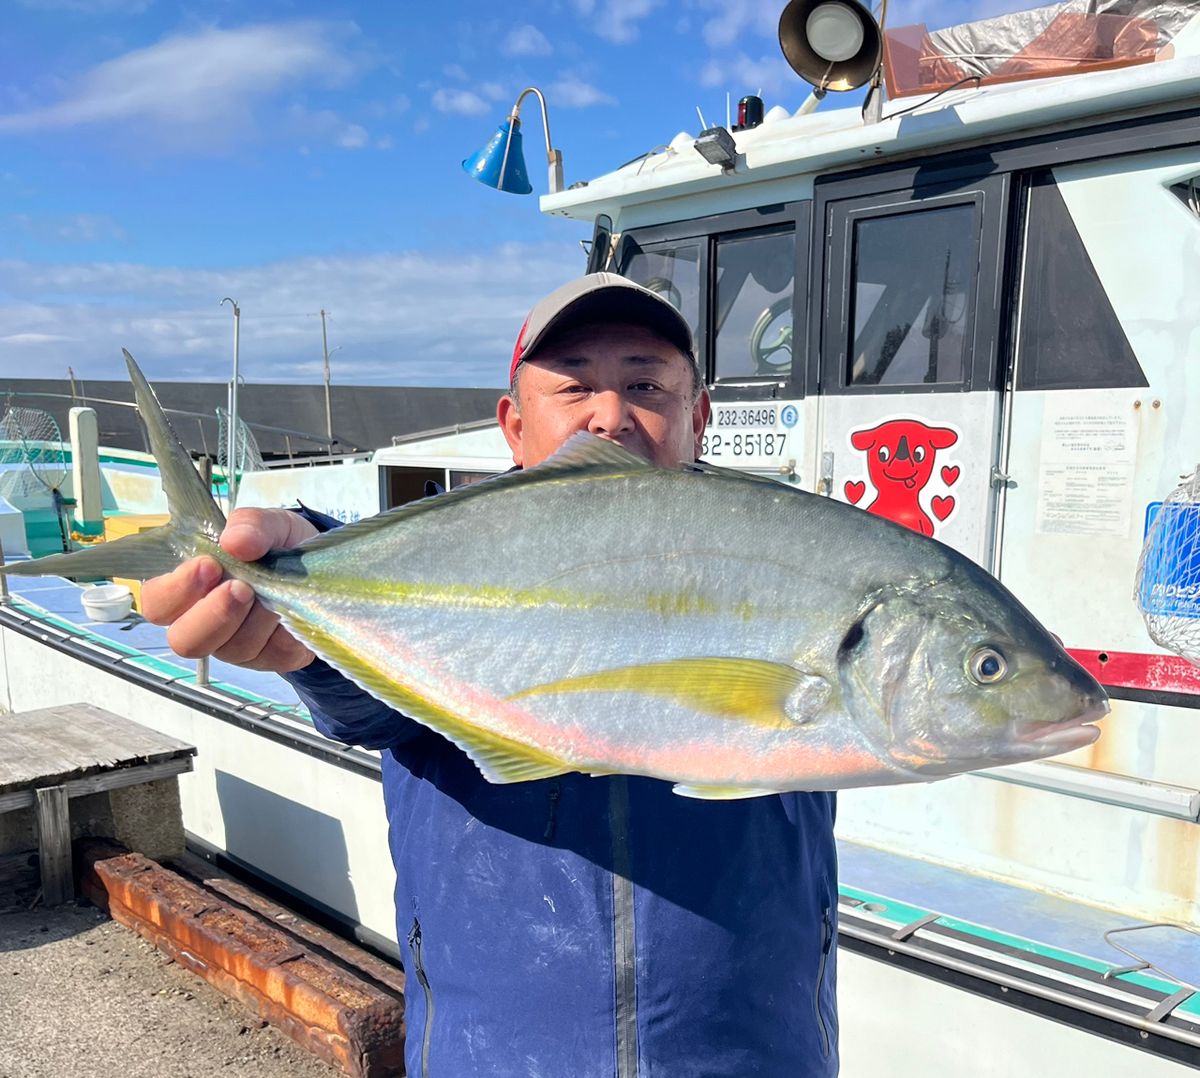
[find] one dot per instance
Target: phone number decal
(744, 444)
(743, 417)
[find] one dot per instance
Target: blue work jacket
(583, 927)
(606, 927)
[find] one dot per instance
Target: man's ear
(509, 418)
(700, 413)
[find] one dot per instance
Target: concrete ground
(84, 997)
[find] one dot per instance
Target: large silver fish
(600, 614)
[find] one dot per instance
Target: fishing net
(247, 458)
(1168, 576)
(33, 460)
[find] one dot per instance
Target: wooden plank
(54, 845)
(104, 780)
(55, 744)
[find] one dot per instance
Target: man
(574, 926)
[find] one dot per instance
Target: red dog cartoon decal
(900, 463)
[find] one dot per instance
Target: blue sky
(155, 157)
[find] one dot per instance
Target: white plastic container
(107, 602)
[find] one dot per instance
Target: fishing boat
(970, 307)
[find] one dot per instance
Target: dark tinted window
(910, 294)
(753, 305)
(673, 270)
(1070, 336)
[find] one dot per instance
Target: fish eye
(884, 454)
(919, 454)
(987, 666)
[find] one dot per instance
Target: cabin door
(909, 409)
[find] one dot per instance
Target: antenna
(703, 125)
(728, 119)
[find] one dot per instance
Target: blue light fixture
(501, 162)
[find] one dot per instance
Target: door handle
(825, 482)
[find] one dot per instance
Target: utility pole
(231, 442)
(328, 407)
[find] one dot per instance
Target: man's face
(620, 382)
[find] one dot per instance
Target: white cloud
(616, 20)
(189, 87)
(400, 319)
(493, 91)
(353, 137)
(455, 71)
(741, 74)
(35, 338)
(65, 228)
(733, 18)
(463, 102)
(327, 126)
(573, 93)
(526, 41)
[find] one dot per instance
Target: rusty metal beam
(339, 1015)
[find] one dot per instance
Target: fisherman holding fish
(535, 654)
(571, 925)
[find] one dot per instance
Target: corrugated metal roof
(364, 417)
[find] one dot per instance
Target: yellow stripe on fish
(749, 689)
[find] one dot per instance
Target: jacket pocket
(827, 936)
(414, 943)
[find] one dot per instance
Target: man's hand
(208, 616)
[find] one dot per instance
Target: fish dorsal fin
(581, 454)
(584, 451)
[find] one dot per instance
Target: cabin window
(465, 479)
(673, 271)
(755, 279)
(912, 276)
(1070, 336)
(1188, 192)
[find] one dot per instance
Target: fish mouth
(1065, 734)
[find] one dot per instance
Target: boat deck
(145, 644)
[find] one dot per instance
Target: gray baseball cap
(601, 297)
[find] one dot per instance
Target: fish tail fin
(194, 513)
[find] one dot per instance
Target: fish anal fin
(752, 690)
(499, 759)
(718, 793)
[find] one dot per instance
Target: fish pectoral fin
(719, 793)
(766, 693)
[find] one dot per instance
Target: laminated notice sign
(1088, 453)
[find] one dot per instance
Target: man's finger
(247, 644)
(210, 623)
(282, 654)
(168, 597)
(251, 533)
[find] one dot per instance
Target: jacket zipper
(552, 818)
(624, 971)
(826, 945)
(414, 942)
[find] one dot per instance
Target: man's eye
(644, 387)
